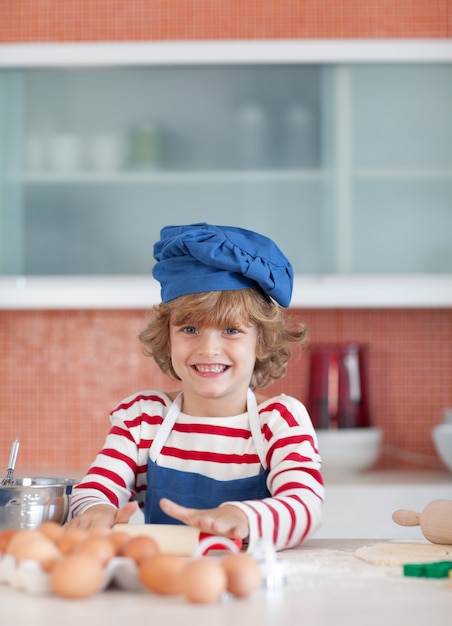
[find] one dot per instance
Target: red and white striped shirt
(220, 448)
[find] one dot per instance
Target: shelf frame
(88, 54)
(310, 292)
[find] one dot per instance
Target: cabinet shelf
(403, 174)
(205, 176)
(170, 177)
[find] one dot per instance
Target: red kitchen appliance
(338, 390)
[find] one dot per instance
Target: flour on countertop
(324, 567)
(314, 568)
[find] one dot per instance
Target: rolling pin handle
(404, 517)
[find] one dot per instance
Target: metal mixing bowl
(31, 501)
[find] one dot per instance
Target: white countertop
(326, 585)
(362, 505)
(391, 478)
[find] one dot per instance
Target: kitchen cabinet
(347, 164)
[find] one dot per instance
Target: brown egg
(99, 546)
(203, 581)
(70, 538)
(77, 576)
(38, 548)
(51, 530)
(21, 538)
(140, 548)
(5, 537)
(162, 573)
(119, 540)
(243, 574)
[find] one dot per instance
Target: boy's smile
(210, 369)
(214, 364)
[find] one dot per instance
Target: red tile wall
(94, 20)
(61, 372)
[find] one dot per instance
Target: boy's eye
(189, 330)
(231, 331)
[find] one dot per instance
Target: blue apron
(196, 490)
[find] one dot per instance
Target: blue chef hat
(201, 257)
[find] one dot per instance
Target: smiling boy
(214, 455)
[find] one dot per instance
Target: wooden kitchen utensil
(435, 521)
(171, 539)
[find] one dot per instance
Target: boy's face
(214, 364)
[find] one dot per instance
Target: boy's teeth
(210, 368)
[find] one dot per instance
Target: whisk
(9, 478)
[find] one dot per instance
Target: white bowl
(349, 450)
(442, 438)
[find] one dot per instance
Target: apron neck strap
(166, 427)
(255, 426)
(175, 409)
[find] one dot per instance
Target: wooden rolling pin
(435, 521)
(170, 538)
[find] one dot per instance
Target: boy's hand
(227, 520)
(103, 516)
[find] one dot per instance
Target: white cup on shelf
(66, 153)
(106, 152)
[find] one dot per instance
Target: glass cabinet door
(347, 167)
(11, 175)
(111, 155)
(400, 164)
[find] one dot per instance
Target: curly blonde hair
(222, 309)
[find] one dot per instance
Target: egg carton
(122, 572)
(29, 576)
